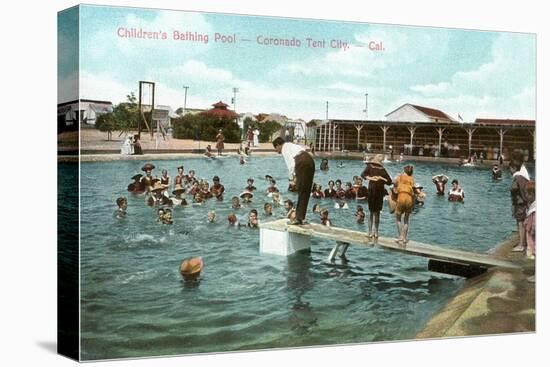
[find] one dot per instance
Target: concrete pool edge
(500, 301)
(107, 156)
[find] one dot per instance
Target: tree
(106, 123)
(205, 128)
(267, 129)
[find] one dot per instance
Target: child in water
(316, 209)
(164, 216)
(253, 219)
(276, 198)
(360, 215)
(235, 202)
(290, 211)
(122, 204)
(232, 220)
(268, 209)
(211, 216)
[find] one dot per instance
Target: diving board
(278, 237)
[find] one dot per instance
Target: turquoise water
(134, 303)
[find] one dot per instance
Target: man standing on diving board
(299, 163)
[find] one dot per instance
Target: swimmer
(496, 172)
(340, 192)
(360, 215)
(197, 199)
(324, 165)
(178, 199)
(317, 192)
(419, 195)
(290, 211)
(440, 181)
(217, 189)
(316, 209)
(250, 185)
(276, 198)
(268, 178)
(136, 187)
(235, 202)
(341, 165)
(324, 218)
(242, 160)
(292, 187)
(246, 196)
(340, 204)
(268, 209)
(349, 191)
(232, 220)
(272, 187)
(456, 193)
(167, 217)
(122, 204)
(211, 216)
(253, 219)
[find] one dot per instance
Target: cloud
(504, 87)
(401, 47)
(164, 21)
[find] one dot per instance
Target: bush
(106, 123)
(204, 127)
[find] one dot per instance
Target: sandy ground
(95, 140)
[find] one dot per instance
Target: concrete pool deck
(498, 302)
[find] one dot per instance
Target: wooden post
(325, 136)
(501, 132)
(358, 128)
(411, 129)
(334, 137)
(440, 131)
(385, 129)
(470, 132)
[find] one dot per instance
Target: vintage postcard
(237, 183)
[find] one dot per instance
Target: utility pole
(234, 102)
(366, 110)
(185, 99)
(326, 113)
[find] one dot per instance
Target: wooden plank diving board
(411, 248)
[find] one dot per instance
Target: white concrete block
(282, 242)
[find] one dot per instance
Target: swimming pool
(134, 303)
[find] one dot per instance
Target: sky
(477, 74)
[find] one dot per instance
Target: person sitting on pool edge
(456, 193)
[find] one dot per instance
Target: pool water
(134, 302)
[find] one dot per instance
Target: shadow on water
(300, 280)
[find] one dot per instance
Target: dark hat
(455, 181)
(250, 179)
(147, 167)
(180, 167)
(268, 177)
(215, 178)
(136, 177)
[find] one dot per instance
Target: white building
(414, 113)
(90, 110)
